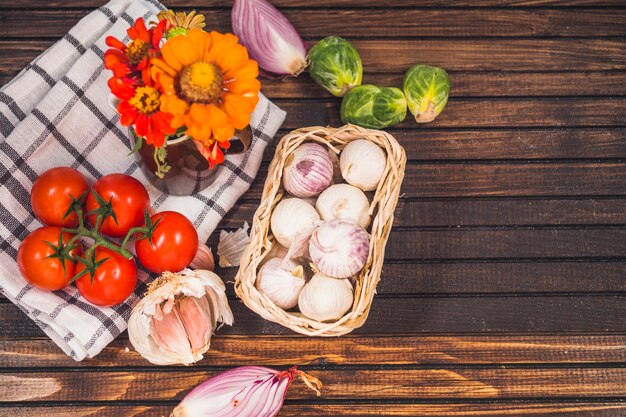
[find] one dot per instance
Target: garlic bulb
(308, 170)
(339, 248)
(231, 246)
(324, 298)
(290, 216)
(362, 164)
(343, 201)
(282, 286)
(174, 322)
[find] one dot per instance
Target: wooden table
(504, 288)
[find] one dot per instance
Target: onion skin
(270, 38)
(308, 170)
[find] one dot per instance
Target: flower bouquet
(183, 92)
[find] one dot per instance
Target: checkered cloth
(55, 113)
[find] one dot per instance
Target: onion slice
(246, 391)
(271, 40)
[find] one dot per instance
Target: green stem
(132, 232)
(98, 222)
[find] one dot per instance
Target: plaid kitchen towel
(55, 113)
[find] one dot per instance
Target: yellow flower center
(201, 82)
(146, 99)
(136, 51)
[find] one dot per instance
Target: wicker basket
(383, 205)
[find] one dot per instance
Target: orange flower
(209, 85)
(139, 106)
(134, 58)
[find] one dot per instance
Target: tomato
(114, 280)
(35, 266)
(52, 194)
(174, 243)
(129, 202)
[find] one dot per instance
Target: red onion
(271, 40)
(308, 170)
(247, 391)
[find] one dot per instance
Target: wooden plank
(509, 143)
(349, 350)
(498, 244)
(395, 56)
(440, 314)
(478, 84)
(489, 277)
(483, 212)
(426, 180)
(465, 84)
(340, 3)
(482, 112)
(346, 384)
(492, 277)
(424, 23)
(578, 409)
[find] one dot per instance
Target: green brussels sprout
(335, 65)
(426, 89)
(373, 107)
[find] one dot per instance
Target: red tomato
(174, 243)
(35, 266)
(129, 200)
(52, 194)
(113, 282)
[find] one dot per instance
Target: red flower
(213, 152)
(140, 106)
(129, 61)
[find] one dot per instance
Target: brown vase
(190, 172)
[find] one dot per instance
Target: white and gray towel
(55, 113)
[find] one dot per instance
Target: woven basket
(261, 241)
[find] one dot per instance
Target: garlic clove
(194, 314)
(291, 216)
(362, 164)
(325, 298)
(346, 202)
(169, 333)
(339, 248)
(280, 285)
(203, 259)
(308, 170)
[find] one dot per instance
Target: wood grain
(472, 212)
(427, 314)
(503, 179)
(353, 350)
(346, 384)
(577, 409)
(396, 56)
(465, 84)
(478, 84)
(481, 112)
(424, 23)
(488, 277)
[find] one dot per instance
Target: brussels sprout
(373, 107)
(426, 90)
(335, 65)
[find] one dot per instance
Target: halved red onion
(271, 40)
(246, 391)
